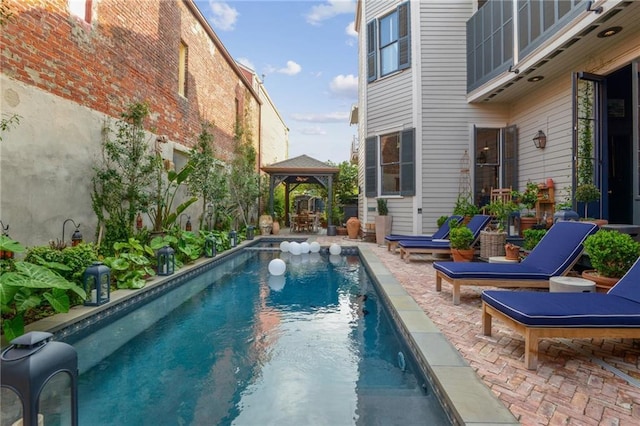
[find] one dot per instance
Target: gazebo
(299, 170)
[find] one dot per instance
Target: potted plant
(611, 253)
(587, 193)
(383, 221)
(465, 208)
(492, 241)
(460, 240)
(527, 199)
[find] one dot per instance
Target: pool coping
(461, 392)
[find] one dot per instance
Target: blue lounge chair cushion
(441, 233)
(565, 309)
(554, 254)
(516, 271)
(620, 307)
(476, 224)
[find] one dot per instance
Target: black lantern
(166, 261)
(513, 224)
(210, 246)
(250, 232)
(39, 381)
(76, 238)
(97, 284)
(540, 140)
(233, 238)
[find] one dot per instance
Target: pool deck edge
(459, 388)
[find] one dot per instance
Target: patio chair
(555, 255)
(392, 240)
(409, 247)
(541, 315)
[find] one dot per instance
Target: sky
(306, 52)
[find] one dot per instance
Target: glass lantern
(97, 284)
(250, 232)
(166, 261)
(233, 238)
(210, 246)
(39, 381)
(513, 224)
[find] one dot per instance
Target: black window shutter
(404, 39)
(407, 163)
(371, 167)
(372, 48)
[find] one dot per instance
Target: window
(396, 166)
(496, 159)
(81, 9)
(388, 39)
(182, 69)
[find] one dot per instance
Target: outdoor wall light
(609, 32)
(76, 238)
(5, 254)
(97, 284)
(540, 140)
(187, 226)
(166, 260)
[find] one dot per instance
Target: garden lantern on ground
(233, 238)
(39, 381)
(166, 261)
(250, 232)
(210, 246)
(97, 284)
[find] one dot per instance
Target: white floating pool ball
(276, 283)
(294, 248)
(304, 247)
(277, 267)
(335, 249)
(284, 246)
(314, 247)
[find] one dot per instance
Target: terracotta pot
(353, 227)
(527, 222)
(512, 251)
(549, 183)
(603, 284)
(462, 255)
(275, 228)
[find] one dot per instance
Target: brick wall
(129, 53)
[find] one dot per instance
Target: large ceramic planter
(383, 228)
(353, 227)
(603, 284)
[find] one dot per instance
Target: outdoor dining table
(305, 222)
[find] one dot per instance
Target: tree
(244, 182)
(209, 179)
(124, 175)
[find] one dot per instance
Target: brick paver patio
(574, 383)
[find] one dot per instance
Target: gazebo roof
(301, 165)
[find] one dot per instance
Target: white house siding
(447, 118)
(388, 108)
(549, 108)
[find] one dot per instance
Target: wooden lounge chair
(409, 247)
(392, 240)
(555, 255)
(541, 315)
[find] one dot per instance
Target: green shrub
(532, 237)
(611, 253)
(460, 238)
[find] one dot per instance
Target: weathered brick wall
(129, 53)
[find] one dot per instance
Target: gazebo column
(272, 181)
(286, 203)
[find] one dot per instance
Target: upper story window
(81, 9)
(396, 168)
(183, 56)
(388, 43)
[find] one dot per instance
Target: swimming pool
(230, 347)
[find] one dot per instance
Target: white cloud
(330, 9)
(350, 30)
(313, 131)
(344, 86)
(224, 17)
(292, 68)
(246, 62)
(331, 117)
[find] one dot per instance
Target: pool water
(236, 346)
